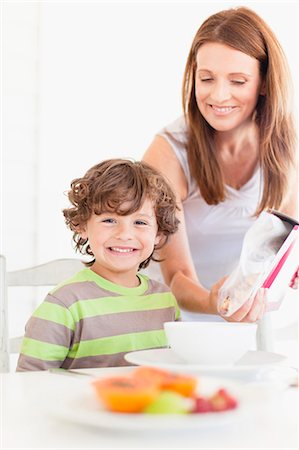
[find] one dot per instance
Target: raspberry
(202, 405)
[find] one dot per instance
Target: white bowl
(213, 343)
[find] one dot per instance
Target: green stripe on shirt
(117, 344)
(43, 350)
(55, 313)
(104, 346)
(110, 305)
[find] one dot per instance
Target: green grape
(169, 402)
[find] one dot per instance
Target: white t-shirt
(215, 232)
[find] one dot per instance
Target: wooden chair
(48, 274)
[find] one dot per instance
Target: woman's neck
(236, 144)
(238, 155)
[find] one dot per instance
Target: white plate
(166, 358)
(82, 407)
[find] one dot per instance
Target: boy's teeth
(121, 250)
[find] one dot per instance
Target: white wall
(19, 152)
(84, 81)
(111, 77)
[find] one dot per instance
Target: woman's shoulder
(168, 154)
(176, 129)
(175, 134)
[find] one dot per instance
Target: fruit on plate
(151, 373)
(202, 405)
(169, 402)
(156, 391)
(183, 384)
(125, 393)
(220, 401)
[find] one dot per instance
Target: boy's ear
(158, 239)
(82, 231)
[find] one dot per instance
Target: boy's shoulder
(78, 287)
(78, 277)
(86, 285)
(155, 286)
(158, 287)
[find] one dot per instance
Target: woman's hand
(294, 283)
(254, 308)
(251, 311)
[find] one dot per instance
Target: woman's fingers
(213, 296)
(252, 310)
(295, 280)
(241, 313)
(258, 307)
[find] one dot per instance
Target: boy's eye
(108, 220)
(140, 222)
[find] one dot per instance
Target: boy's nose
(124, 232)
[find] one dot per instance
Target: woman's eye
(240, 82)
(206, 79)
(140, 222)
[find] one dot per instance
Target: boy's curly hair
(107, 186)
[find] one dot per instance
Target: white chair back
(48, 274)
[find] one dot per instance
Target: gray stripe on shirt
(85, 290)
(28, 363)
(48, 331)
(98, 327)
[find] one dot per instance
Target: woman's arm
(178, 268)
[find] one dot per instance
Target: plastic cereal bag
(260, 246)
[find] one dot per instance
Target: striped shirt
(88, 321)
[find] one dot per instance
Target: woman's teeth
(225, 109)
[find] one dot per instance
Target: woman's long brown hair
(243, 30)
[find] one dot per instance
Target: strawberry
(222, 401)
(202, 405)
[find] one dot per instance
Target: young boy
(122, 211)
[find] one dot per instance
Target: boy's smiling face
(121, 243)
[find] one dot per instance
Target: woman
(230, 157)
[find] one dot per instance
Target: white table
(26, 423)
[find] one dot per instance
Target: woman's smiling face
(227, 86)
